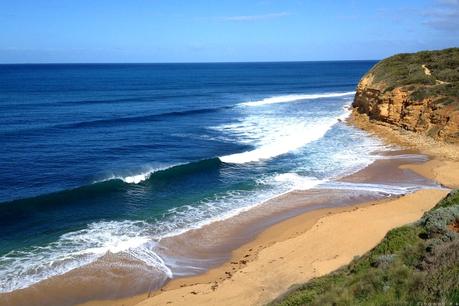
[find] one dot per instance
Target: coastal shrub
(450, 200)
(414, 264)
(384, 261)
(435, 223)
(448, 75)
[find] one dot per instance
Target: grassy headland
(418, 92)
(437, 71)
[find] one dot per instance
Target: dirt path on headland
(427, 72)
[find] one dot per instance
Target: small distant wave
(116, 183)
(136, 178)
(172, 170)
(134, 99)
(296, 97)
(142, 118)
(115, 121)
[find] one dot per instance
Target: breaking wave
(297, 97)
(277, 137)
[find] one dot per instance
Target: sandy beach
(315, 242)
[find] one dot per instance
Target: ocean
(112, 158)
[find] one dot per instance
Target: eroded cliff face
(398, 107)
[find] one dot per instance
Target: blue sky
(40, 31)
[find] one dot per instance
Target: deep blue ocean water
(98, 158)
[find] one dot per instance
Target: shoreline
(286, 262)
(206, 288)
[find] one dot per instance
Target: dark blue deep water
(107, 157)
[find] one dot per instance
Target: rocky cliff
(417, 92)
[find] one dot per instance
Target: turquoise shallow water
(112, 158)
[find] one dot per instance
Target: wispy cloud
(443, 16)
(254, 17)
(450, 2)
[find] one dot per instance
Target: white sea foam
(294, 181)
(129, 179)
(135, 178)
(276, 136)
(20, 269)
(417, 157)
(296, 97)
(372, 187)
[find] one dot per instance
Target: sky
(89, 31)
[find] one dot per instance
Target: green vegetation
(414, 265)
(408, 70)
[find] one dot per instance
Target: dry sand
(443, 171)
(314, 243)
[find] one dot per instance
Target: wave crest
(134, 179)
(296, 97)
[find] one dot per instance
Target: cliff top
(436, 71)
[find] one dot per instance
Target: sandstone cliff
(417, 92)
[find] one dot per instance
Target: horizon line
(156, 63)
